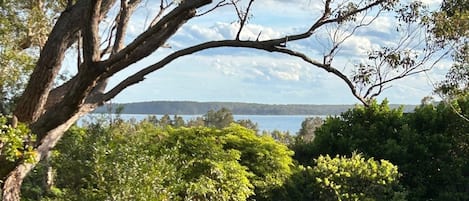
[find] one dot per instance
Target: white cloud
(358, 45)
(197, 32)
(222, 30)
(264, 68)
(382, 24)
(431, 2)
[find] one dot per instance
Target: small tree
(308, 126)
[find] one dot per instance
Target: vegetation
(121, 160)
(146, 162)
(429, 146)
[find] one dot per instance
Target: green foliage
(24, 26)
(204, 169)
(355, 178)
(456, 83)
(450, 27)
(140, 161)
(269, 161)
(342, 178)
(102, 163)
(218, 119)
(429, 145)
(367, 129)
(15, 142)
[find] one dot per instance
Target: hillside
(194, 108)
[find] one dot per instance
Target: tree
(308, 126)
(50, 110)
(25, 28)
(355, 178)
(218, 119)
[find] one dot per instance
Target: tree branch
(327, 68)
(243, 18)
(219, 4)
(62, 36)
(91, 39)
(127, 8)
(154, 37)
(265, 45)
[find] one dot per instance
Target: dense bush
(430, 146)
(343, 178)
(139, 161)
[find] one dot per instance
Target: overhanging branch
(266, 46)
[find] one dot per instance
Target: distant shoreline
(237, 108)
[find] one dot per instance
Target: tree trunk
(12, 186)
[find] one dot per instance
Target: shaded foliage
(429, 146)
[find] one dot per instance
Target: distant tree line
(193, 108)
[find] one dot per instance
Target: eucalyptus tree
(50, 109)
(451, 27)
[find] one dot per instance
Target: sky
(253, 76)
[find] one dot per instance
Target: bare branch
(243, 18)
(160, 13)
(218, 5)
(339, 40)
(325, 19)
(122, 21)
(327, 68)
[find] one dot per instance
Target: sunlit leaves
(139, 161)
(355, 178)
(16, 142)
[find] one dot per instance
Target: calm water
(290, 123)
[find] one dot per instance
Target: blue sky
(243, 75)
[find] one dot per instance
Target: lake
(290, 123)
